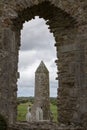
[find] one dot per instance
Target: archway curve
(71, 7)
(58, 20)
(47, 11)
(71, 51)
(61, 25)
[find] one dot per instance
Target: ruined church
(67, 20)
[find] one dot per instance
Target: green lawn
(22, 110)
(53, 108)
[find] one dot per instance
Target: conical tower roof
(42, 68)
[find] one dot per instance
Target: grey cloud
(28, 58)
(36, 36)
(38, 42)
(26, 84)
(54, 84)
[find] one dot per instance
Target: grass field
(22, 110)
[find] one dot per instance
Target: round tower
(42, 90)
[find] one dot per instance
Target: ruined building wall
(67, 21)
(8, 75)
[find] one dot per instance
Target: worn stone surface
(67, 20)
(46, 125)
(42, 91)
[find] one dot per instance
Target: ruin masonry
(67, 20)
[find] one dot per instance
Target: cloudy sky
(37, 44)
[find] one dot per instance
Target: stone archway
(70, 52)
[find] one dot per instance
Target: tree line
(20, 100)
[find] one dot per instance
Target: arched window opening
(37, 44)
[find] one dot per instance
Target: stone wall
(42, 126)
(68, 22)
